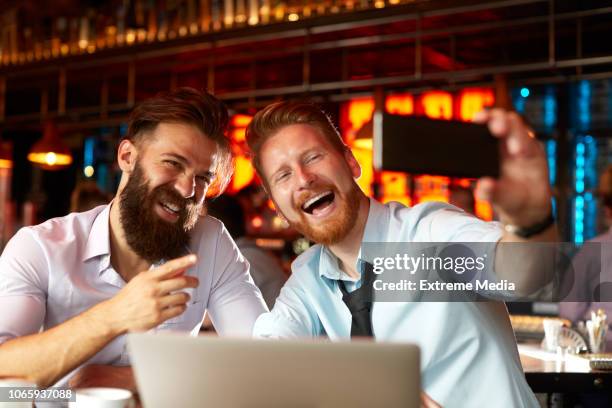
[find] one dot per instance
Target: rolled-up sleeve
(24, 279)
(235, 302)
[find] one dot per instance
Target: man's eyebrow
(208, 173)
(177, 157)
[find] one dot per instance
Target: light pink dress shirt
(60, 268)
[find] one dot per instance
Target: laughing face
(311, 183)
(164, 195)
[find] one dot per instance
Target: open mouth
(318, 203)
(171, 209)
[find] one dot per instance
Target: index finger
(174, 266)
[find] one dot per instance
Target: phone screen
(421, 145)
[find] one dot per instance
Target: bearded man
(72, 287)
(468, 352)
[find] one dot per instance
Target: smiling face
(164, 194)
(311, 182)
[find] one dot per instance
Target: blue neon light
(123, 129)
(518, 101)
(88, 151)
(590, 181)
(584, 105)
(585, 178)
(102, 173)
(551, 157)
(550, 109)
(579, 201)
(524, 92)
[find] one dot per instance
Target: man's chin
(324, 236)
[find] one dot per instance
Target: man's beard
(335, 228)
(152, 238)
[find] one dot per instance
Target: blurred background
(71, 71)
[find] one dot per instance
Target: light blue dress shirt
(469, 356)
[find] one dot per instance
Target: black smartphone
(420, 145)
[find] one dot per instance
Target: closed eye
(312, 157)
(282, 176)
(173, 164)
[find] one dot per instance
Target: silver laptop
(174, 370)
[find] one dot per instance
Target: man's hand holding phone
(522, 193)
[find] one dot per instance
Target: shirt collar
(374, 231)
(98, 241)
(377, 224)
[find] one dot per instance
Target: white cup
(552, 330)
(100, 397)
(8, 383)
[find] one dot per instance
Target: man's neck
(123, 259)
(347, 250)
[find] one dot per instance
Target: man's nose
(305, 177)
(185, 185)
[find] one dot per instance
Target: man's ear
(126, 155)
(352, 163)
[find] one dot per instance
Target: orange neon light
(359, 113)
(395, 187)
(354, 115)
(402, 104)
(484, 210)
(431, 188)
(473, 100)
(244, 173)
(437, 104)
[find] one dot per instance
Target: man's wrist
(106, 319)
(533, 229)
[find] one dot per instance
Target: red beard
(336, 227)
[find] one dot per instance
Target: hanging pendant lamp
(50, 153)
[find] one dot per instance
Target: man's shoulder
(206, 226)
(68, 227)
(410, 223)
(207, 233)
(307, 261)
(418, 211)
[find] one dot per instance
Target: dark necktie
(359, 303)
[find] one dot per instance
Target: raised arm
(522, 196)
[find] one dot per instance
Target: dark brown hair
(268, 121)
(192, 107)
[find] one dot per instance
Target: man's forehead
(297, 138)
(184, 141)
